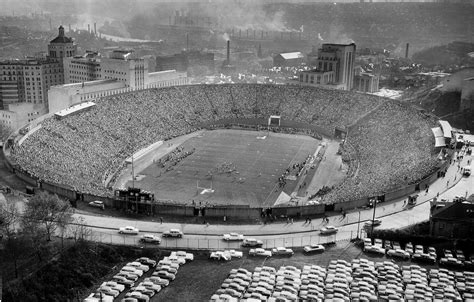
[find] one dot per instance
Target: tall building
(335, 67)
(28, 80)
(365, 81)
(83, 68)
(62, 46)
(123, 66)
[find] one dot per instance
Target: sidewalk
(443, 188)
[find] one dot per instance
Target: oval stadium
(250, 145)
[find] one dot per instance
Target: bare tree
(8, 220)
(79, 229)
(45, 212)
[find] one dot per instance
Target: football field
(227, 167)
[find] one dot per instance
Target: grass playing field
(245, 168)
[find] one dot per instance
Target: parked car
(132, 270)
(124, 281)
(450, 261)
(399, 253)
(167, 268)
(129, 275)
(129, 299)
(252, 242)
(158, 281)
(149, 238)
(376, 249)
(424, 258)
(173, 233)
(314, 248)
(260, 252)
(96, 297)
(137, 295)
(328, 230)
(146, 261)
(182, 254)
(235, 254)
(97, 204)
(114, 285)
(108, 291)
(151, 285)
(139, 266)
(282, 251)
(166, 275)
(220, 255)
(129, 230)
(233, 237)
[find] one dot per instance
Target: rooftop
(292, 55)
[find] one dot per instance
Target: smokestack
(240, 33)
(228, 52)
(406, 50)
(88, 28)
(95, 28)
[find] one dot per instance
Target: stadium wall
(299, 211)
(234, 211)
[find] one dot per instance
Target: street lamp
(358, 223)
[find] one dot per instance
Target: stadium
(236, 145)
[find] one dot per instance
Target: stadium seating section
(391, 144)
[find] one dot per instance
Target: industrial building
(288, 59)
(335, 67)
(184, 60)
(452, 219)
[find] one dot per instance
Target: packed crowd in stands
(394, 144)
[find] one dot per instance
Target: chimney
(228, 52)
(406, 50)
(95, 28)
(88, 28)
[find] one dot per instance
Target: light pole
(358, 223)
(133, 172)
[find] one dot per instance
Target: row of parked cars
(417, 253)
(359, 280)
(227, 255)
(136, 280)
